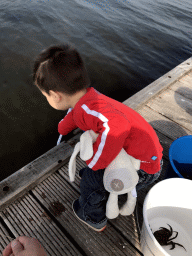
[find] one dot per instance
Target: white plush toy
(120, 176)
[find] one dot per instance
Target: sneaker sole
(98, 230)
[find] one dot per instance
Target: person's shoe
(93, 225)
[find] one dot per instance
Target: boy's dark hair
(60, 68)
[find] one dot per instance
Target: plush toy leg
(129, 206)
(112, 208)
(72, 162)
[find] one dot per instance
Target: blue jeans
(146, 179)
(93, 198)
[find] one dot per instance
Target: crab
(163, 237)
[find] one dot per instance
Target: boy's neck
(77, 97)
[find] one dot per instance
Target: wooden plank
(108, 242)
(183, 86)
(26, 217)
(32, 174)
(5, 238)
(159, 85)
(162, 124)
(175, 107)
(128, 227)
(187, 80)
(125, 224)
(167, 130)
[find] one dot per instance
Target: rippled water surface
(126, 45)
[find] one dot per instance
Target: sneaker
(93, 225)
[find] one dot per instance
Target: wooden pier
(36, 200)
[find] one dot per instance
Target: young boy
(60, 74)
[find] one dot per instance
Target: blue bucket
(180, 157)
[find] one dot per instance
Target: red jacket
(118, 127)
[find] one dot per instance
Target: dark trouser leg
(146, 179)
(93, 198)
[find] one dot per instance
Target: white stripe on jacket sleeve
(103, 136)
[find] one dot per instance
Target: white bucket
(168, 202)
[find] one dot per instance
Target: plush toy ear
(86, 146)
(72, 162)
(93, 135)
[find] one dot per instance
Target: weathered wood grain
(175, 107)
(162, 124)
(125, 224)
(32, 174)
(26, 217)
(5, 238)
(159, 85)
(108, 242)
(183, 86)
(187, 79)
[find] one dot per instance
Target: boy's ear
(55, 95)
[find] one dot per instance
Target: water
(176, 218)
(126, 45)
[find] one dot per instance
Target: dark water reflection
(126, 45)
